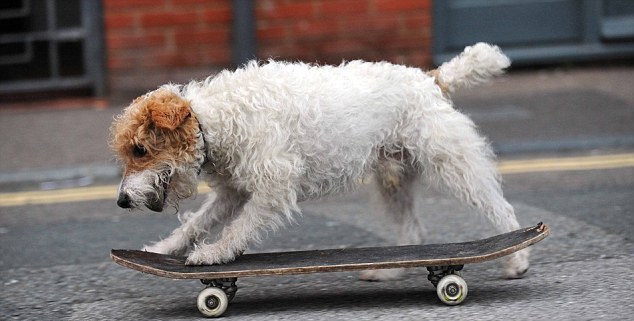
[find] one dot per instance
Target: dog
(271, 134)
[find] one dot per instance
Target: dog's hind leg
(453, 154)
(397, 185)
(196, 226)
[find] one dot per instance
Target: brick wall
(151, 34)
(332, 30)
(145, 34)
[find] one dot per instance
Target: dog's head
(158, 139)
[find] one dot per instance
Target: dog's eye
(139, 151)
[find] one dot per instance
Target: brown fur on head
(156, 133)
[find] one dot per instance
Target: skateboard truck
(451, 288)
(228, 285)
(214, 300)
(438, 272)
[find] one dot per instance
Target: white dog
(273, 134)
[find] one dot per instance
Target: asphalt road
(54, 263)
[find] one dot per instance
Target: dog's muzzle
(153, 201)
(124, 200)
(135, 192)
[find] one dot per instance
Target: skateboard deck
(440, 259)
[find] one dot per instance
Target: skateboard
(443, 262)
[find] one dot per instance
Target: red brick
(196, 38)
(117, 41)
(314, 29)
(270, 33)
(344, 46)
(119, 21)
(218, 15)
(344, 7)
(198, 32)
(172, 59)
(286, 51)
(118, 63)
(169, 19)
(400, 5)
(133, 7)
(126, 4)
(406, 43)
(217, 56)
(418, 21)
(369, 25)
(201, 3)
(285, 11)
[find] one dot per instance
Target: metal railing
(51, 45)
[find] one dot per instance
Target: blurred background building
(94, 46)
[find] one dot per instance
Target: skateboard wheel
(212, 302)
(452, 289)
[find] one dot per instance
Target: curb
(80, 175)
(565, 145)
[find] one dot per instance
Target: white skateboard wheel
(452, 289)
(212, 302)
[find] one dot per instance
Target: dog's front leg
(237, 236)
(197, 225)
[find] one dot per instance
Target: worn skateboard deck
(336, 260)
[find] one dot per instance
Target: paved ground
(54, 256)
(59, 269)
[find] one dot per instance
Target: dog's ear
(167, 109)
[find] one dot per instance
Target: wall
(327, 30)
(145, 34)
(162, 34)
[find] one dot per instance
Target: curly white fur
(475, 65)
(278, 133)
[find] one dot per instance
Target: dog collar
(201, 144)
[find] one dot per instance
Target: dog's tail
(475, 65)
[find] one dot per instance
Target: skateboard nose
(124, 200)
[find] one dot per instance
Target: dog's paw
(381, 275)
(156, 248)
(164, 248)
(209, 255)
(516, 265)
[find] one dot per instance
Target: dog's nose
(124, 200)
